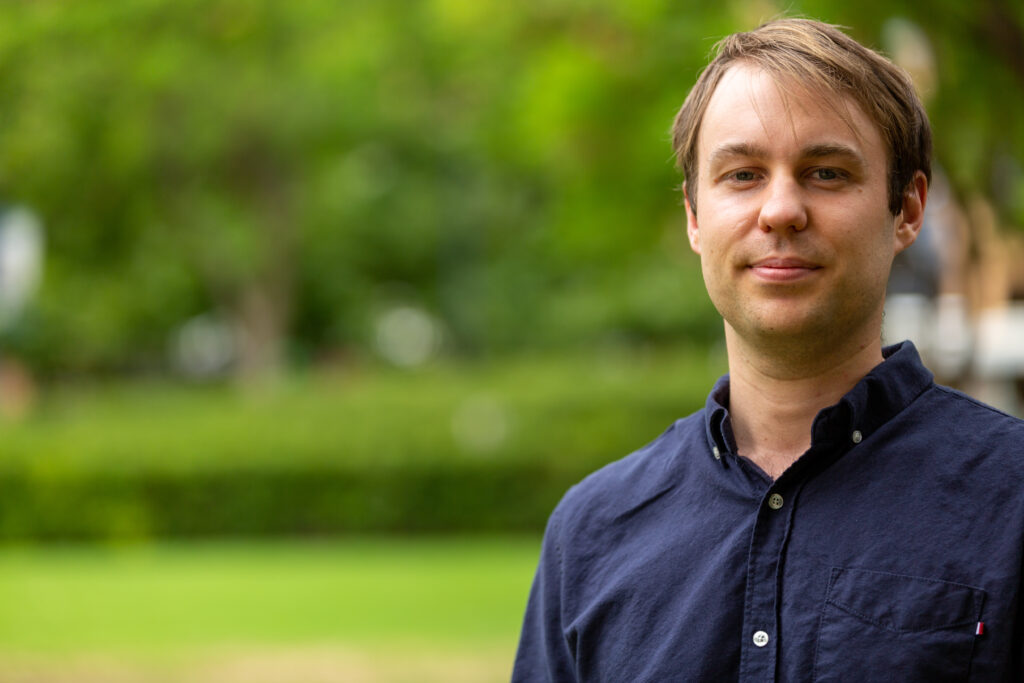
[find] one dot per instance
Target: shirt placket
(760, 637)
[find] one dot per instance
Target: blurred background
(311, 311)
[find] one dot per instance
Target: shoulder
(967, 429)
(634, 480)
(972, 413)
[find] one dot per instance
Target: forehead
(752, 106)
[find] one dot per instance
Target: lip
(783, 268)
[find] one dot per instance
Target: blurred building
(958, 294)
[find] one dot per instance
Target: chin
(788, 328)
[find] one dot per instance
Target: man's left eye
(826, 174)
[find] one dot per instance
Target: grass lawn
(352, 610)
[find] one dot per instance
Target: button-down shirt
(890, 550)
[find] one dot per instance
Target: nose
(783, 208)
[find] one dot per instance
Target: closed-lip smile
(783, 268)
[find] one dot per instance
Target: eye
(827, 174)
(743, 176)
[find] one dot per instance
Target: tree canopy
(295, 170)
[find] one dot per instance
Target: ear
(911, 216)
(692, 232)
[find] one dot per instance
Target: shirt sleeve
(544, 653)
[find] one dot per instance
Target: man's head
(807, 161)
(823, 61)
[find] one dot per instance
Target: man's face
(792, 225)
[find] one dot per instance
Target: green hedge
(439, 497)
(370, 451)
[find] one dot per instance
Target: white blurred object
(951, 343)
(407, 336)
(908, 316)
(204, 347)
(999, 357)
(1000, 342)
(940, 329)
(21, 261)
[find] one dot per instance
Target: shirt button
(716, 452)
(760, 639)
(856, 436)
(775, 501)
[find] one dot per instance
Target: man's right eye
(743, 176)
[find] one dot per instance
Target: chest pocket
(882, 626)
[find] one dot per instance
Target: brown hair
(822, 58)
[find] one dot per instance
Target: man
(831, 514)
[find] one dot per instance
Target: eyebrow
(829, 149)
(816, 151)
(736, 149)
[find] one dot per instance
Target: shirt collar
(889, 388)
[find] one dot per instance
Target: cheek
(870, 261)
(724, 238)
(732, 209)
(715, 269)
(711, 251)
(866, 236)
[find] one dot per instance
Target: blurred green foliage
(446, 449)
(296, 168)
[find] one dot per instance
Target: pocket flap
(904, 603)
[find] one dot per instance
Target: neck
(773, 398)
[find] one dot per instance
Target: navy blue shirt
(890, 550)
